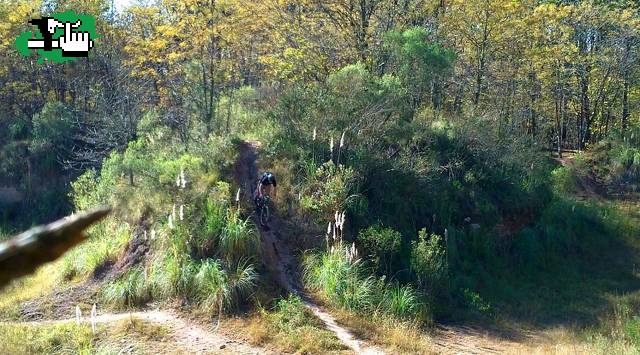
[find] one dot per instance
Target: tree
(417, 62)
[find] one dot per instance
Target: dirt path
(449, 339)
(190, 336)
(277, 256)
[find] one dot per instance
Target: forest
(452, 176)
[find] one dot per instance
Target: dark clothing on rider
(268, 179)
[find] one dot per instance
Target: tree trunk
(625, 106)
(229, 109)
(585, 119)
(482, 51)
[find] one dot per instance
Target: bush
(339, 279)
(565, 179)
(294, 329)
(429, 260)
(474, 301)
(330, 189)
(382, 244)
(239, 237)
(52, 129)
(291, 313)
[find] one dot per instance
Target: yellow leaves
(174, 57)
(168, 30)
(13, 19)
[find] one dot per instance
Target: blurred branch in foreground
(22, 254)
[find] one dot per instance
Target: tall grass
(346, 283)
(129, 290)
(106, 241)
(211, 282)
(400, 301)
(239, 238)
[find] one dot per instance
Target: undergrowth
(291, 327)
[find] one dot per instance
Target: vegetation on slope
(411, 151)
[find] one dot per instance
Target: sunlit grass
(290, 327)
(36, 285)
(398, 337)
(46, 339)
(128, 335)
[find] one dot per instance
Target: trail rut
(277, 255)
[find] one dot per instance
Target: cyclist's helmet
(268, 179)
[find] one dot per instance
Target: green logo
(59, 38)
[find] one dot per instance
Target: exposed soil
(188, 335)
(56, 305)
(457, 339)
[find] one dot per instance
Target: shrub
(429, 260)
(339, 279)
(382, 244)
(211, 280)
(329, 190)
(294, 329)
(564, 179)
(291, 313)
(218, 288)
(474, 301)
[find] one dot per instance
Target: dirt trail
(190, 336)
(277, 255)
(449, 339)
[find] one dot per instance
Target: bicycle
(262, 208)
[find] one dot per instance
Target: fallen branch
(22, 254)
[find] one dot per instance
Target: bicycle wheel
(264, 215)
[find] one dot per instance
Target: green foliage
(106, 241)
(383, 245)
(564, 179)
(47, 339)
(474, 301)
(200, 247)
(345, 283)
(294, 328)
(417, 60)
(219, 289)
(291, 313)
(128, 291)
(341, 281)
(329, 189)
(614, 164)
(211, 280)
(400, 301)
(429, 260)
(52, 129)
(239, 237)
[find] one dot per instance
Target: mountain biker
(266, 181)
